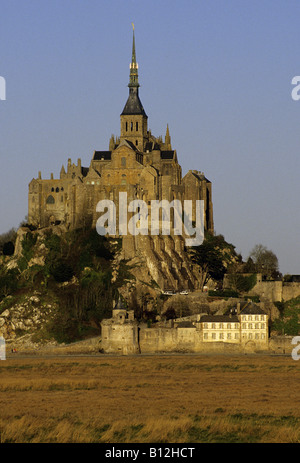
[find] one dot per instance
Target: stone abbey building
(138, 163)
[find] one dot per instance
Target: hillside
(57, 284)
(288, 321)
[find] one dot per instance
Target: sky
(218, 72)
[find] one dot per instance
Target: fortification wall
(290, 291)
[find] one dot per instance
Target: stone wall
(270, 290)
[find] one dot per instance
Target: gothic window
(52, 189)
(136, 142)
(50, 200)
(126, 126)
(57, 190)
(123, 162)
(136, 126)
(123, 182)
(131, 126)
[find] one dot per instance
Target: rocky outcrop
(26, 316)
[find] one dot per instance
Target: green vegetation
(288, 321)
(213, 256)
(242, 283)
(72, 272)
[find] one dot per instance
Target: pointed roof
(133, 105)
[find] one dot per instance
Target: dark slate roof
(167, 154)
(99, 155)
(219, 318)
(132, 145)
(252, 309)
(84, 171)
(150, 146)
(133, 105)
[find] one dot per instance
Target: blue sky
(218, 72)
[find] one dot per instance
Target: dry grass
(156, 399)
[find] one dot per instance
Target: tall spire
(133, 104)
(133, 77)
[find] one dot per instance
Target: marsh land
(155, 399)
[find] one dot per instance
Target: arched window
(123, 162)
(136, 142)
(50, 200)
(57, 190)
(126, 126)
(123, 181)
(136, 126)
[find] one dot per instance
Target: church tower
(133, 118)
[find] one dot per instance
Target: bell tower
(134, 120)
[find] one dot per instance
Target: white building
(249, 325)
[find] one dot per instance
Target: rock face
(24, 317)
(164, 259)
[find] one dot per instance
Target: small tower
(133, 118)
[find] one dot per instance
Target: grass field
(154, 399)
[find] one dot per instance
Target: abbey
(138, 163)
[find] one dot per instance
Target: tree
(265, 261)
(242, 283)
(210, 257)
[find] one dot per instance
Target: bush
(8, 248)
(8, 282)
(62, 272)
(224, 293)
